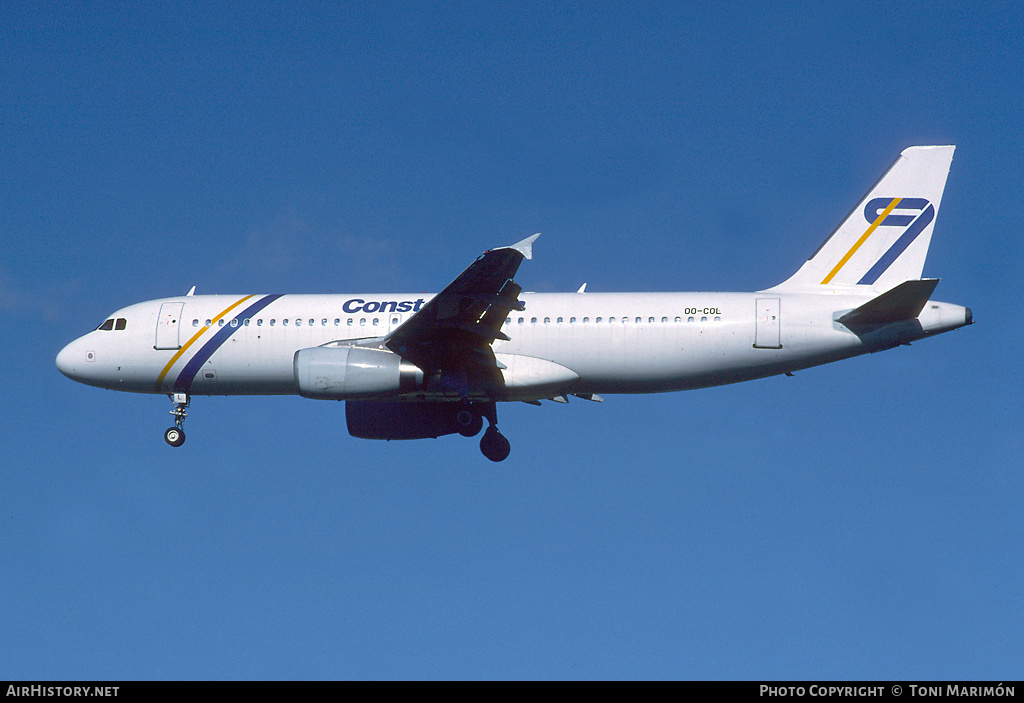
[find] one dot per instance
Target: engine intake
(343, 373)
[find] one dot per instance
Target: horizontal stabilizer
(904, 302)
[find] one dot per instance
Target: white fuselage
(419, 366)
(582, 343)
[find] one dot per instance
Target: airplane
(415, 366)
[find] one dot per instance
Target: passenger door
(167, 326)
(768, 324)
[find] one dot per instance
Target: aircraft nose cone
(70, 360)
(64, 364)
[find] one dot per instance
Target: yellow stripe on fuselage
(196, 336)
(863, 238)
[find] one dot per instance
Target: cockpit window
(112, 324)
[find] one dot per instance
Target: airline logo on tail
(884, 240)
(879, 213)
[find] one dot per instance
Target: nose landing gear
(175, 436)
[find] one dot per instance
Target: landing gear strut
(493, 444)
(175, 436)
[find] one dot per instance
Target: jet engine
(343, 373)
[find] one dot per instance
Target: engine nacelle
(382, 419)
(342, 373)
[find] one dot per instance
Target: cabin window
(245, 322)
(704, 319)
(572, 320)
(508, 320)
(284, 322)
(547, 320)
(350, 321)
(220, 322)
(679, 319)
(234, 322)
(259, 322)
(689, 319)
(376, 321)
(664, 320)
(273, 322)
(209, 323)
(394, 320)
(362, 321)
(195, 323)
(611, 320)
(522, 320)
(586, 320)
(717, 318)
(533, 320)
(337, 322)
(312, 321)
(597, 321)
(559, 320)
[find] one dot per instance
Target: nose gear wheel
(175, 436)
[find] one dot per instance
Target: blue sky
(858, 520)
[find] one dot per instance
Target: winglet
(525, 247)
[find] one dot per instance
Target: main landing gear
(493, 444)
(469, 422)
(175, 436)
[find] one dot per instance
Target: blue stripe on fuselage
(184, 381)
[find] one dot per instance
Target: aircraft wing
(450, 337)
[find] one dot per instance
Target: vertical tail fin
(884, 240)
